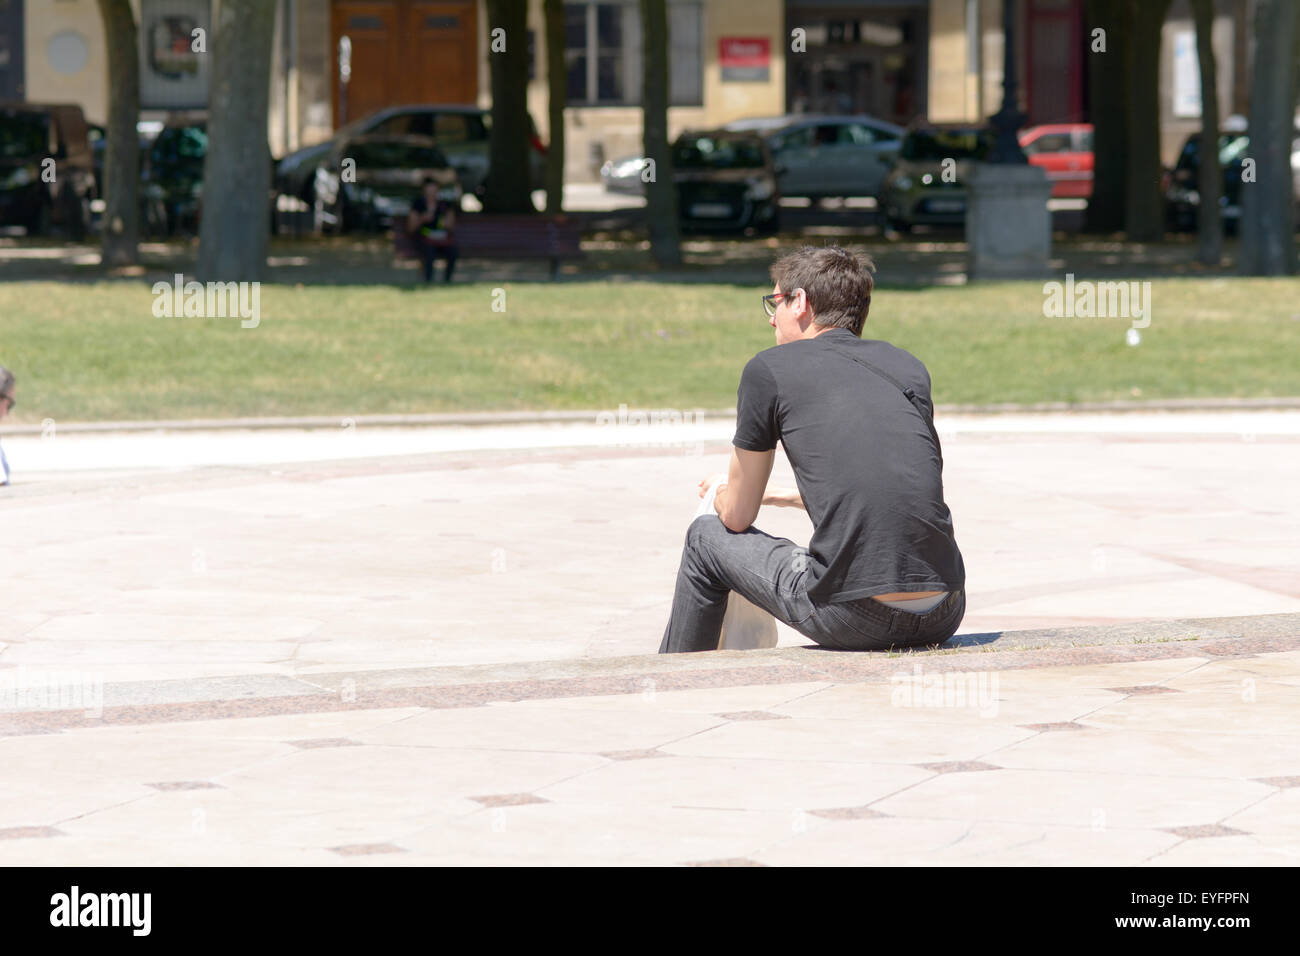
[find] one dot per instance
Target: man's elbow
(737, 522)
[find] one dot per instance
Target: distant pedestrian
(6, 402)
(431, 224)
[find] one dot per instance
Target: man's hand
(706, 482)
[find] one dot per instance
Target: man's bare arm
(784, 498)
(738, 501)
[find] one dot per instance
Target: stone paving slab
(1235, 641)
(1175, 759)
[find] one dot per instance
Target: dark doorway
(404, 51)
(1053, 45)
(860, 58)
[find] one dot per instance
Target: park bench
(480, 236)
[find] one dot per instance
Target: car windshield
(24, 135)
(394, 156)
(179, 144)
(1232, 149)
(709, 152)
(939, 144)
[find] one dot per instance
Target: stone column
(1008, 226)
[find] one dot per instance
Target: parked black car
(368, 183)
(47, 175)
(461, 132)
(927, 185)
(171, 186)
(725, 180)
(98, 136)
(1182, 190)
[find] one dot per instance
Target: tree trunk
(1209, 215)
(235, 220)
(1144, 219)
(119, 242)
(660, 191)
(509, 187)
(1268, 203)
(557, 81)
(1106, 106)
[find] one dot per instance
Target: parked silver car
(822, 156)
(815, 156)
(624, 175)
(461, 132)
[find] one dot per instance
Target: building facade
(339, 60)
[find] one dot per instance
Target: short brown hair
(837, 283)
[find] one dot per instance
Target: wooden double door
(403, 51)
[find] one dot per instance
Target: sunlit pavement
(199, 553)
(414, 645)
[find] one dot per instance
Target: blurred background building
(892, 59)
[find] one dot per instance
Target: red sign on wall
(744, 59)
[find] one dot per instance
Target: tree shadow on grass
(915, 264)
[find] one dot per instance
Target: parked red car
(1064, 150)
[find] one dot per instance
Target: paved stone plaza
(436, 645)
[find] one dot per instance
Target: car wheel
(79, 219)
(344, 219)
(769, 226)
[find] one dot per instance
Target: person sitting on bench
(431, 224)
(855, 419)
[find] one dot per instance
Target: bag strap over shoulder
(908, 392)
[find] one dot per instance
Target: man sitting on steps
(855, 419)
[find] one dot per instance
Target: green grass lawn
(95, 351)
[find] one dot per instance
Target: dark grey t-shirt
(868, 467)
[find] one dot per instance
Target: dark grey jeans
(771, 573)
